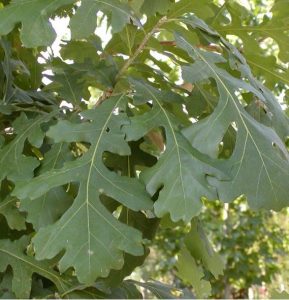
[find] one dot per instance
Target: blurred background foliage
(253, 246)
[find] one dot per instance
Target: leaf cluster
(181, 115)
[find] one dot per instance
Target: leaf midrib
(88, 182)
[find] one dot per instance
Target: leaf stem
(106, 94)
(141, 47)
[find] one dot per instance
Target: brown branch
(214, 48)
(168, 43)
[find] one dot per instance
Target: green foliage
(179, 118)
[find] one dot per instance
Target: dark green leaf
(259, 165)
(181, 188)
(103, 238)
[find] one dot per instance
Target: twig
(141, 47)
(106, 94)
